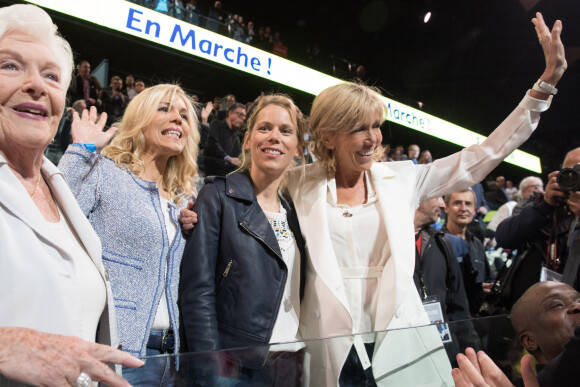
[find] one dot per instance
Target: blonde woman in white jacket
(357, 219)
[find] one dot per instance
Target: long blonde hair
(343, 108)
(128, 146)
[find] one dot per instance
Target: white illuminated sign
(158, 28)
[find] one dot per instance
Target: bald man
(547, 321)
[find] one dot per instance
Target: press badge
(549, 275)
(432, 306)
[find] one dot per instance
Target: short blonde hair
(260, 103)
(343, 108)
(33, 21)
(127, 148)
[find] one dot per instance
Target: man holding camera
(544, 231)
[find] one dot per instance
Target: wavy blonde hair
(341, 109)
(128, 146)
(286, 103)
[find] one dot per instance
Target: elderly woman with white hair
(57, 300)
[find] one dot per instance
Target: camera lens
(569, 179)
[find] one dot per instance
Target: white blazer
(24, 246)
(400, 187)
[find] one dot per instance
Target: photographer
(542, 230)
(114, 100)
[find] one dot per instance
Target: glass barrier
(419, 356)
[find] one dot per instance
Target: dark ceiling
(470, 64)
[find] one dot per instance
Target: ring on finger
(84, 380)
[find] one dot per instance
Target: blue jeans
(158, 370)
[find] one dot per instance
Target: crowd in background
(211, 15)
(130, 168)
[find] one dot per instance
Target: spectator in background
(178, 9)
(64, 137)
(250, 33)
(129, 89)
(278, 48)
(478, 225)
(361, 74)
(528, 186)
(495, 196)
(547, 321)
(268, 39)
(217, 107)
(215, 17)
(396, 154)
(264, 39)
(162, 6)
(276, 38)
(500, 181)
(437, 273)
(139, 86)
(114, 100)
(510, 190)
(228, 101)
(192, 14)
(401, 151)
(413, 153)
(85, 86)
(236, 31)
(425, 157)
(204, 125)
(223, 144)
(541, 230)
(477, 274)
(241, 29)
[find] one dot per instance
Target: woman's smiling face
(32, 96)
(273, 142)
(354, 150)
(166, 134)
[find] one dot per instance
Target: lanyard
(419, 267)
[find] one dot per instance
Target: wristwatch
(544, 87)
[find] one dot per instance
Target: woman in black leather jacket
(241, 280)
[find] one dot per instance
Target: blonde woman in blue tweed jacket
(132, 193)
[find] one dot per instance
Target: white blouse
(286, 325)
(359, 238)
(91, 294)
(162, 320)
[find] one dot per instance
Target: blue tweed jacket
(126, 213)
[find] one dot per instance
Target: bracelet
(89, 147)
(544, 87)
(226, 158)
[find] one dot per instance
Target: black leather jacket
(233, 275)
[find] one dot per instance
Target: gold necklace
(37, 185)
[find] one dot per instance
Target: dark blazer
(233, 275)
(76, 92)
